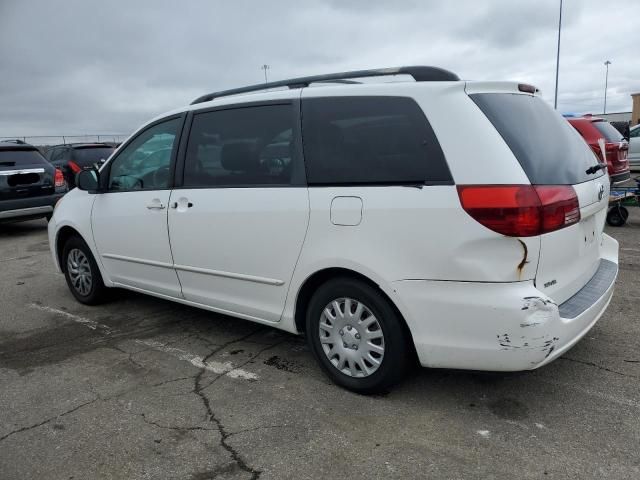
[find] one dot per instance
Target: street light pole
(265, 67)
(606, 82)
(555, 100)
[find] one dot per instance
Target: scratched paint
(219, 368)
(538, 311)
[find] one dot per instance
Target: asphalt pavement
(142, 388)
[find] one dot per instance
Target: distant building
(615, 117)
(635, 114)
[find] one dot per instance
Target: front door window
(144, 164)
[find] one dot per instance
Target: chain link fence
(46, 140)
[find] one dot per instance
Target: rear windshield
(20, 158)
(86, 157)
(549, 150)
(608, 131)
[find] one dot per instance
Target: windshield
(20, 158)
(86, 157)
(608, 131)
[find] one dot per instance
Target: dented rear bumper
(501, 326)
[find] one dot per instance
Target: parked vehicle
(29, 185)
(634, 146)
(592, 130)
(74, 157)
(459, 222)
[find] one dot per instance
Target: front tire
(82, 273)
(356, 336)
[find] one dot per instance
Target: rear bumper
(30, 207)
(622, 177)
(501, 326)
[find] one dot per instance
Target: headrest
(239, 157)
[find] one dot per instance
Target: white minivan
(456, 223)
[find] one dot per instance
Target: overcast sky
(84, 66)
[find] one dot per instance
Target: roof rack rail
(419, 74)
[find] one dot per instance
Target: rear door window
(549, 150)
(608, 131)
(241, 147)
(370, 141)
(20, 158)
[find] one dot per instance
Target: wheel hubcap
(351, 337)
(79, 271)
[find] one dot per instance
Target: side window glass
(144, 163)
(370, 140)
(56, 154)
(249, 146)
(635, 133)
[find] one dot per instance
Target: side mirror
(87, 180)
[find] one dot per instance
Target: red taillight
(74, 166)
(521, 210)
(58, 178)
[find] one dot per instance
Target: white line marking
(220, 368)
(76, 318)
(483, 433)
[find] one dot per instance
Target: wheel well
(312, 283)
(64, 234)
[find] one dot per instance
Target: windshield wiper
(596, 168)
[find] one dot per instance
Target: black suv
(29, 185)
(73, 157)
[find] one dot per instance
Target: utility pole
(265, 67)
(606, 82)
(555, 100)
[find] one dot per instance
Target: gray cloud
(106, 67)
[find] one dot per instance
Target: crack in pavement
(592, 364)
(44, 422)
(198, 389)
(169, 427)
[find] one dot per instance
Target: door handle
(155, 206)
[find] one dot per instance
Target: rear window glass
(19, 158)
(608, 131)
(85, 157)
(549, 150)
(370, 140)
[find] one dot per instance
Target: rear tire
(82, 273)
(357, 336)
(617, 216)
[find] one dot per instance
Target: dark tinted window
(370, 140)
(608, 131)
(19, 158)
(549, 150)
(86, 157)
(243, 147)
